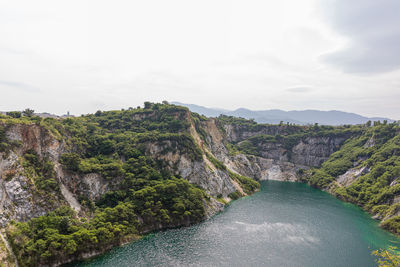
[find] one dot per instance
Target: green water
(285, 224)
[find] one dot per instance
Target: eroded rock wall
(275, 162)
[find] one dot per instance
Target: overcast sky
(82, 56)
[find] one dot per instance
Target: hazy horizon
(83, 56)
(207, 107)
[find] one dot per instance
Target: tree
(388, 258)
(14, 114)
(71, 161)
(368, 123)
(28, 112)
(147, 105)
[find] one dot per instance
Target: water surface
(285, 224)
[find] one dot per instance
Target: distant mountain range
(275, 116)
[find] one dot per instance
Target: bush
(14, 114)
(234, 195)
(218, 164)
(71, 161)
(247, 184)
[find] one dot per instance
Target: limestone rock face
(351, 175)
(264, 169)
(275, 162)
(212, 207)
(214, 160)
(20, 201)
(17, 201)
(315, 150)
(199, 172)
(237, 133)
(94, 185)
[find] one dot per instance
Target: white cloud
(372, 29)
(89, 55)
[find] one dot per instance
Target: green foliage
(218, 164)
(71, 161)
(60, 234)
(392, 224)
(197, 119)
(388, 258)
(14, 114)
(248, 185)
(28, 112)
(41, 171)
(380, 209)
(232, 149)
(169, 202)
(113, 144)
(2, 134)
(234, 195)
(249, 124)
(248, 147)
(377, 151)
(3, 140)
(5, 144)
(320, 178)
(286, 136)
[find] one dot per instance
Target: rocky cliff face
(21, 200)
(236, 133)
(199, 172)
(275, 161)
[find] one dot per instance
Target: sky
(87, 55)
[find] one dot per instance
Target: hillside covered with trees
(145, 195)
(106, 178)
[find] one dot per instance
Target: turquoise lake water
(285, 224)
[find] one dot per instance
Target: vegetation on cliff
(144, 196)
(253, 136)
(60, 235)
(377, 153)
(388, 258)
(372, 152)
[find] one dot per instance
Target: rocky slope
(120, 159)
(366, 171)
(21, 201)
(269, 159)
(29, 189)
(359, 164)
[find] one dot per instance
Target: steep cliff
(272, 152)
(359, 164)
(79, 170)
(73, 188)
(366, 171)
